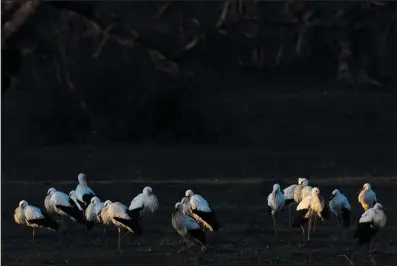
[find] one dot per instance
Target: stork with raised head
(33, 217)
(197, 207)
(59, 204)
(187, 227)
(83, 192)
(275, 204)
(367, 197)
(340, 207)
(289, 198)
(146, 201)
(118, 214)
(310, 206)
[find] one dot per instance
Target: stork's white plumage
(92, 211)
(310, 206)
(60, 204)
(340, 206)
(301, 190)
(367, 197)
(275, 203)
(197, 207)
(33, 217)
(370, 222)
(146, 201)
(187, 227)
(118, 214)
(72, 195)
(83, 192)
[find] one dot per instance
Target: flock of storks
(193, 215)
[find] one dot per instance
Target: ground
(246, 234)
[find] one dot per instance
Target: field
(245, 238)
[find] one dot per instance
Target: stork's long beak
(183, 200)
(332, 196)
(360, 191)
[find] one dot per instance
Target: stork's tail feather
(89, 224)
(288, 202)
(199, 235)
(346, 217)
(73, 212)
(364, 233)
(325, 213)
(300, 218)
(45, 222)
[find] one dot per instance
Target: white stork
(146, 201)
(275, 204)
(197, 207)
(58, 203)
(367, 197)
(72, 195)
(340, 206)
(187, 227)
(289, 198)
(370, 222)
(92, 211)
(83, 192)
(312, 205)
(33, 217)
(118, 214)
(302, 190)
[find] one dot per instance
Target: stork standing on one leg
(33, 217)
(367, 197)
(275, 204)
(118, 214)
(310, 206)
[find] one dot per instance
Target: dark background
(204, 88)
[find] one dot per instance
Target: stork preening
(33, 217)
(367, 197)
(118, 214)
(370, 222)
(340, 207)
(187, 227)
(72, 195)
(83, 192)
(289, 193)
(197, 207)
(92, 211)
(309, 207)
(275, 204)
(302, 190)
(146, 201)
(59, 204)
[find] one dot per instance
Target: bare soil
(246, 234)
(236, 184)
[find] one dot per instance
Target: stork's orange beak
(183, 200)
(360, 191)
